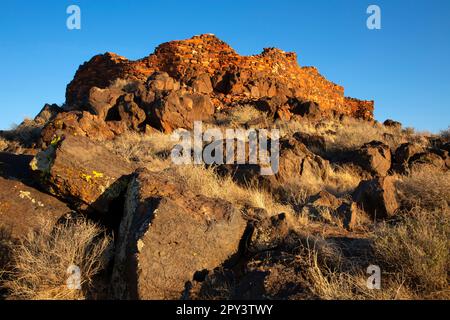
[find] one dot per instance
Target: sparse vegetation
(445, 134)
(417, 250)
(351, 133)
(243, 114)
(41, 260)
(412, 250)
(428, 188)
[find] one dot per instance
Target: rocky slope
(220, 231)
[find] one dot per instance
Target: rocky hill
(232, 78)
(89, 191)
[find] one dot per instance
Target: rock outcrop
(169, 233)
(374, 157)
(209, 66)
(22, 208)
(377, 197)
(82, 172)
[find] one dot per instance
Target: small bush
(445, 134)
(243, 114)
(417, 249)
(42, 259)
(428, 188)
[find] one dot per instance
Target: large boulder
(83, 172)
(267, 232)
(377, 197)
(304, 108)
(375, 157)
(47, 113)
(100, 101)
(127, 113)
(426, 159)
(22, 208)
(202, 84)
(274, 106)
(78, 123)
(161, 81)
(180, 110)
(315, 143)
(168, 234)
(406, 151)
(297, 162)
(445, 156)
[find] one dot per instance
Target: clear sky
(404, 67)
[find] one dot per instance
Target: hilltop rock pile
(189, 80)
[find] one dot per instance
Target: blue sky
(404, 67)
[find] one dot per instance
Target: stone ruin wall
(186, 59)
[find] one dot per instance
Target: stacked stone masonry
(234, 77)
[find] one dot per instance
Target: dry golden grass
(341, 181)
(153, 151)
(427, 188)
(413, 253)
(328, 275)
(351, 133)
(326, 284)
(243, 114)
(134, 145)
(209, 183)
(145, 150)
(42, 258)
(6, 245)
(418, 250)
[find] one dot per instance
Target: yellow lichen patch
(97, 174)
(33, 164)
(86, 177)
(55, 140)
(89, 177)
